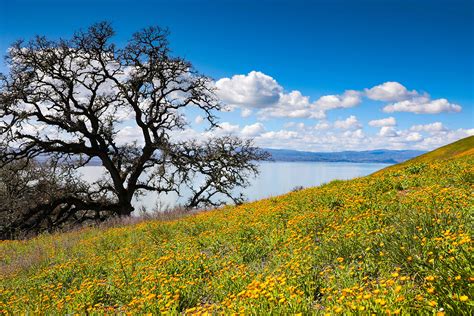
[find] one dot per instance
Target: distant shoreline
(384, 156)
(369, 156)
(326, 161)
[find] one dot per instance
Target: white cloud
(300, 125)
(444, 138)
(257, 90)
(227, 128)
(389, 91)
(423, 105)
(254, 90)
(260, 91)
(253, 130)
(281, 135)
(331, 140)
(311, 139)
(198, 119)
(408, 101)
(245, 112)
(292, 105)
(414, 137)
(349, 99)
(349, 123)
(358, 133)
(431, 128)
(389, 121)
(259, 94)
(388, 131)
(128, 135)
(188, 133)
(322, 125)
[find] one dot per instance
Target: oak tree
(69, 102)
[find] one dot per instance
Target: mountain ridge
(366, 156)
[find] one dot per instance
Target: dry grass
(38, 250)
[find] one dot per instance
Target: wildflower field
(396, 242)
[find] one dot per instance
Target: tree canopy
(66, 101)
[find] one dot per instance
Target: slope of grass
(462, 147)
(397, 242)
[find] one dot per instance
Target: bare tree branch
(71, 98)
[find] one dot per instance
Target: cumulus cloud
(349, 123)
(306, 137)
(400, 136)
(349, 99)
(404, 100)
(388, 131)
(227, 128)
(254, 90)
(423, 105)
(292, 105)
(322, 125)
(261, 95)
(253, 130)
(281, 135)
(431, 128)
(389, 137)
(389, 91)
(128, 135)
(389, 121)
(296, 105)
(414, 137)
(358, 133)
(257, 90)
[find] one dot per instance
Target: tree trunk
(125, 205)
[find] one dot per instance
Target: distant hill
(379, 155)
(368, 156)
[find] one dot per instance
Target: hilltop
(459, 148)
(395, 242)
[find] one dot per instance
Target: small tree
(68, 100)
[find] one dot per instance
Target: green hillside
(396, 242)
(459, 148)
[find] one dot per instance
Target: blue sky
(316, 48)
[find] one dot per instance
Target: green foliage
(416, 168)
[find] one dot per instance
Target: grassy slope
(459, 148)
(394, 242)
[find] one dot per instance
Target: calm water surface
(275, 178)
